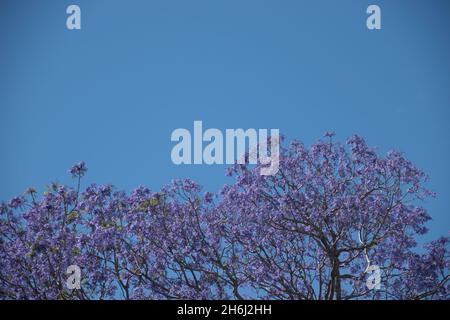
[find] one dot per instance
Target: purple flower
(16, 202)
(78, 170)
(209, 197)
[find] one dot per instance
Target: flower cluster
(78, 170)
(309, 232)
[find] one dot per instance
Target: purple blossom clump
(16, 202)
(309, 232)
(78, 170)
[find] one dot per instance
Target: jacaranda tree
(332, 216)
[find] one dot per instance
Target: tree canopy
(312, 231)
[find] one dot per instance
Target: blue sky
(112, 93)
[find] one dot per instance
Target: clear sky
(111, 93)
